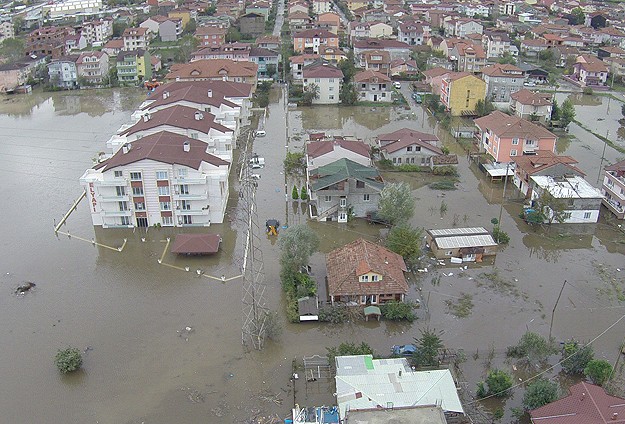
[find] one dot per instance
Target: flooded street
(131, 314)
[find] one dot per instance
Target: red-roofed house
(373, 86)
(586, 404)
(327, 78)
(299, 62)
(408, 146)
(309, 41)
(161, 179)
(322, 152)
(434, 77)
(590, 71)
(209, 36)
(531, 105)
(504, 136)
(460, 92)
(544, 162)
(363, 272)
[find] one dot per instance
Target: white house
(161, 179)
(582, 199)
(373, 86)
(327, 78)
(323, 152)
(407, 146)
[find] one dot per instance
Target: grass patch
(602, 138)
(496, 282)
(461, 307)
(443, 185)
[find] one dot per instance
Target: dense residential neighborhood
(402, 189)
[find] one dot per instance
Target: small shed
(469, 244)
(196, 244)
(308, 308)
(373, 311)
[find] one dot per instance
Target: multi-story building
(468, 57)
(161, 179)
(167, 29)
(462, 27)
(583, 201)
(69, 8)
(267, 60)
(460, 92)
(327, 79)
(373, 86)
(309, 41)
(498, 43)
(210, 36)
(93, 67)
(590, 71)
(544, 162)
(215, 69)
(411, 33)
(6, 30)
(407, 146)
(377, 60)
(133, 66)
(613, 189)
(395, 49)
(135, 38)
(98, 32)
(533, 106)
(298, 63)
(48, 41)
(501, 81)
(252, 24)
(321, 6)
(238, 52)
(504, 136)
(62, 72)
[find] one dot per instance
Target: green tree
(484, 107)
(507, 59)
(233, 35)
(68, 360)
(532, 347)
(347, 67)
(577, 16)
(118, 28)
(348, 94)
(396, 203)
(567, 112)
(303, 193)
(210, 10)
(18, 24)
(550, 209)
(271, 70)
(498, 382)
(427, 348)
(190, 27)
(598, 371)
(12, 49)
(398, 311)
(539, 393)
(405, 241)
(297, 243)
(311, 93)
(576, 357)
(186, 46)
(295, 193)
(349, 348)
(294, 163)
(555, 111)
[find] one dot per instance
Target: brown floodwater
(130, 314)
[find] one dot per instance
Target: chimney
(210, 93)
(186, 146)
(614, 416)
(198, 116)
(165, 94)
(146, 117)
(126, 148)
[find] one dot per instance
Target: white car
(397, 85)
(261, 133)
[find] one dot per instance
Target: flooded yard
(164, 345)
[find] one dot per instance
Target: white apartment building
(327, 79)
(135, 38)
(72, 8)
(97, 32)
(613, 188)
(161, 179)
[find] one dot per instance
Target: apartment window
(567, 215)
(185, 205)
(167, 220)
(123, 206)
(165, 206)
(182, 173)
(327, 198)
(317, 80)
(125, 220)
(121, 190)
(118, 174)
(515, 141)
(365, 197)
(364, 278)
(161, 175)
(409, 149)
(587, 215)
(184, 189)
(343, 202)
(194, 135)
(163, 190)
(331, 97)
(374, 278)
(186, 219)
(513, 152)
(363, 86)
(530, 142)
(399, 160)
(331, 79)
(135, 176)
(139, 206)
(330, 88)
(137, 191)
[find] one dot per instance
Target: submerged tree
(311, 93)
(297, 244)
(540, 393)
(405, 241)
(396, 203)
(427, 348)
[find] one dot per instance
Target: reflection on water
(580, 99)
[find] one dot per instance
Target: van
(261, 133)
(397, 85)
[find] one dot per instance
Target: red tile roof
(527, 97)
(315, 149)
(511, 126)
(400, 139)
(196, 244)
(321, 70)
(345, 264)
(586, 404)
(369, 75)
(379, 43)
(191, 94)
(165, 147)
(315, 33)
(212, 68)
(544, 159)
(505, 71)
(180, 117)
(435, 72)
(224, 88)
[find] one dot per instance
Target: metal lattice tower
(254, 307)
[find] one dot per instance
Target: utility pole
(605, 143)
(503, 197)
(554, 309)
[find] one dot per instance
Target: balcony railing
(117, 213)
(115, 198)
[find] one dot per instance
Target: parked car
(261, 133)
(404, 350)
(397, 85)
(417, 97)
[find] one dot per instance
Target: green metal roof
(343, 169)
(372, 310)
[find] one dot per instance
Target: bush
(295, 193)
(443, 185)
(500, 236)
(304, 193)
(576, 357)
(406, 167)
(498, 382)
(333, 314)
(68, 360)
(540, 393)
(588, 90)
(598, 371)
(447, 170)
(349, 349)
(398, 311)
(532, 347)
(385, 164)
(292, 309)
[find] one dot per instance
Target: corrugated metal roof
(465, 241)
(458, 231)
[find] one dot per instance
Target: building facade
(613, 189)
